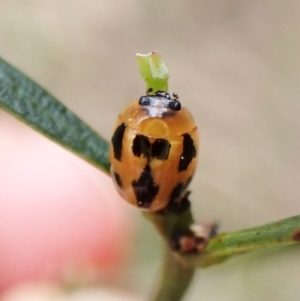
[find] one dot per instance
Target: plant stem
(154, 72)
(175, 278)
(176, 273)
(179, 268)
(281, 233)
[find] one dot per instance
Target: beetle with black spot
(153, 152)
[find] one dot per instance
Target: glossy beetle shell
(153, 152)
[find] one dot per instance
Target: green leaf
(281, 233)
(33, 105)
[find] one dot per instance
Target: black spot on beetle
(145, 189)
(117, 179)
(178, 207)
(141, 146)
(160, 149)
(188, 153)
(117, 141)
(176, 192)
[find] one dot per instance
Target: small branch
(178, 269)
(176, 274)
(226, 245)
(284, 232)
(174, 279)
(154, 72)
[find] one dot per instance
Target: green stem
(176, 274)
(175, 278)
(154, 72)
(224, 246)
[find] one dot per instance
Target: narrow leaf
(23, 98)
(284, 232)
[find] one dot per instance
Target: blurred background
(235, 64)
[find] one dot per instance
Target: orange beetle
(153, 152)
